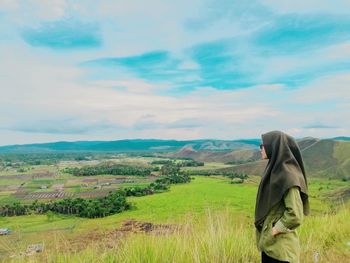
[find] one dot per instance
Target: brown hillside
(322, 158)
(215, 156)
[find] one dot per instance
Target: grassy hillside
(306, 142)
(322, 158)
(241, 154)
(328, 158)
(237, 155)
(215, 220)
(256, 168)
(342, 155)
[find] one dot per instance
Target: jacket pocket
(268, 238)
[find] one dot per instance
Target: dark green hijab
(284, 169)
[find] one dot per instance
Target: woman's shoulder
(292, 192)
(290, 195)
(291, 198)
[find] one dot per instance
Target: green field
(217, 216)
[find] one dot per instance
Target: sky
(223, 69)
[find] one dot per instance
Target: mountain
(341, 138)
(241, 152)
(133, 145)
(327, 158)
(306, 142)
(244, 154)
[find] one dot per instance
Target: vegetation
(173, 175)
(170, 175)
(109, 168)
(114, 202)
(18, 159)
(162, 162)
(229, 174)
(182, 163)
(217, 237)
(240, 161)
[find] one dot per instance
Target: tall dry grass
(218, 236)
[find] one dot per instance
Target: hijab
(284, 170)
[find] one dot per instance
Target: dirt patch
(113, 238)
(93, 194)
(135, 226)
(48, 195)
(338, 196)
(29, 176)
(90, 180)
(58, 187)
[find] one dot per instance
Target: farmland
(51, 182)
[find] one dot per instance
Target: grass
(10, 181)
(217, 220)
(217, 237)
(7, 198)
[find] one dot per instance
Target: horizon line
(145, 139)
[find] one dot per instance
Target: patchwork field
(50, 182)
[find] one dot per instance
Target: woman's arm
(293, 215)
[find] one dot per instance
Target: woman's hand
(274, 231)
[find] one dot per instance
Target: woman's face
(263, 152)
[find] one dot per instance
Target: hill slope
(237, 155)
(244, 152)
(323, 158)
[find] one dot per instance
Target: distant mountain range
(150, 145)
(322, 157)
(135, 145)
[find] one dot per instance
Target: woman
(282, 199)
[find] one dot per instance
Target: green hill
(323, 158)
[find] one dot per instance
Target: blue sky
(107, 70)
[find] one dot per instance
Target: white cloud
(51, 92)
(327, 89)
(339, 51)
(309, 6)
(132, 85)
(8, 5)
(48, 10)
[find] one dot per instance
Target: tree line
(114, 202)
(108, 168)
